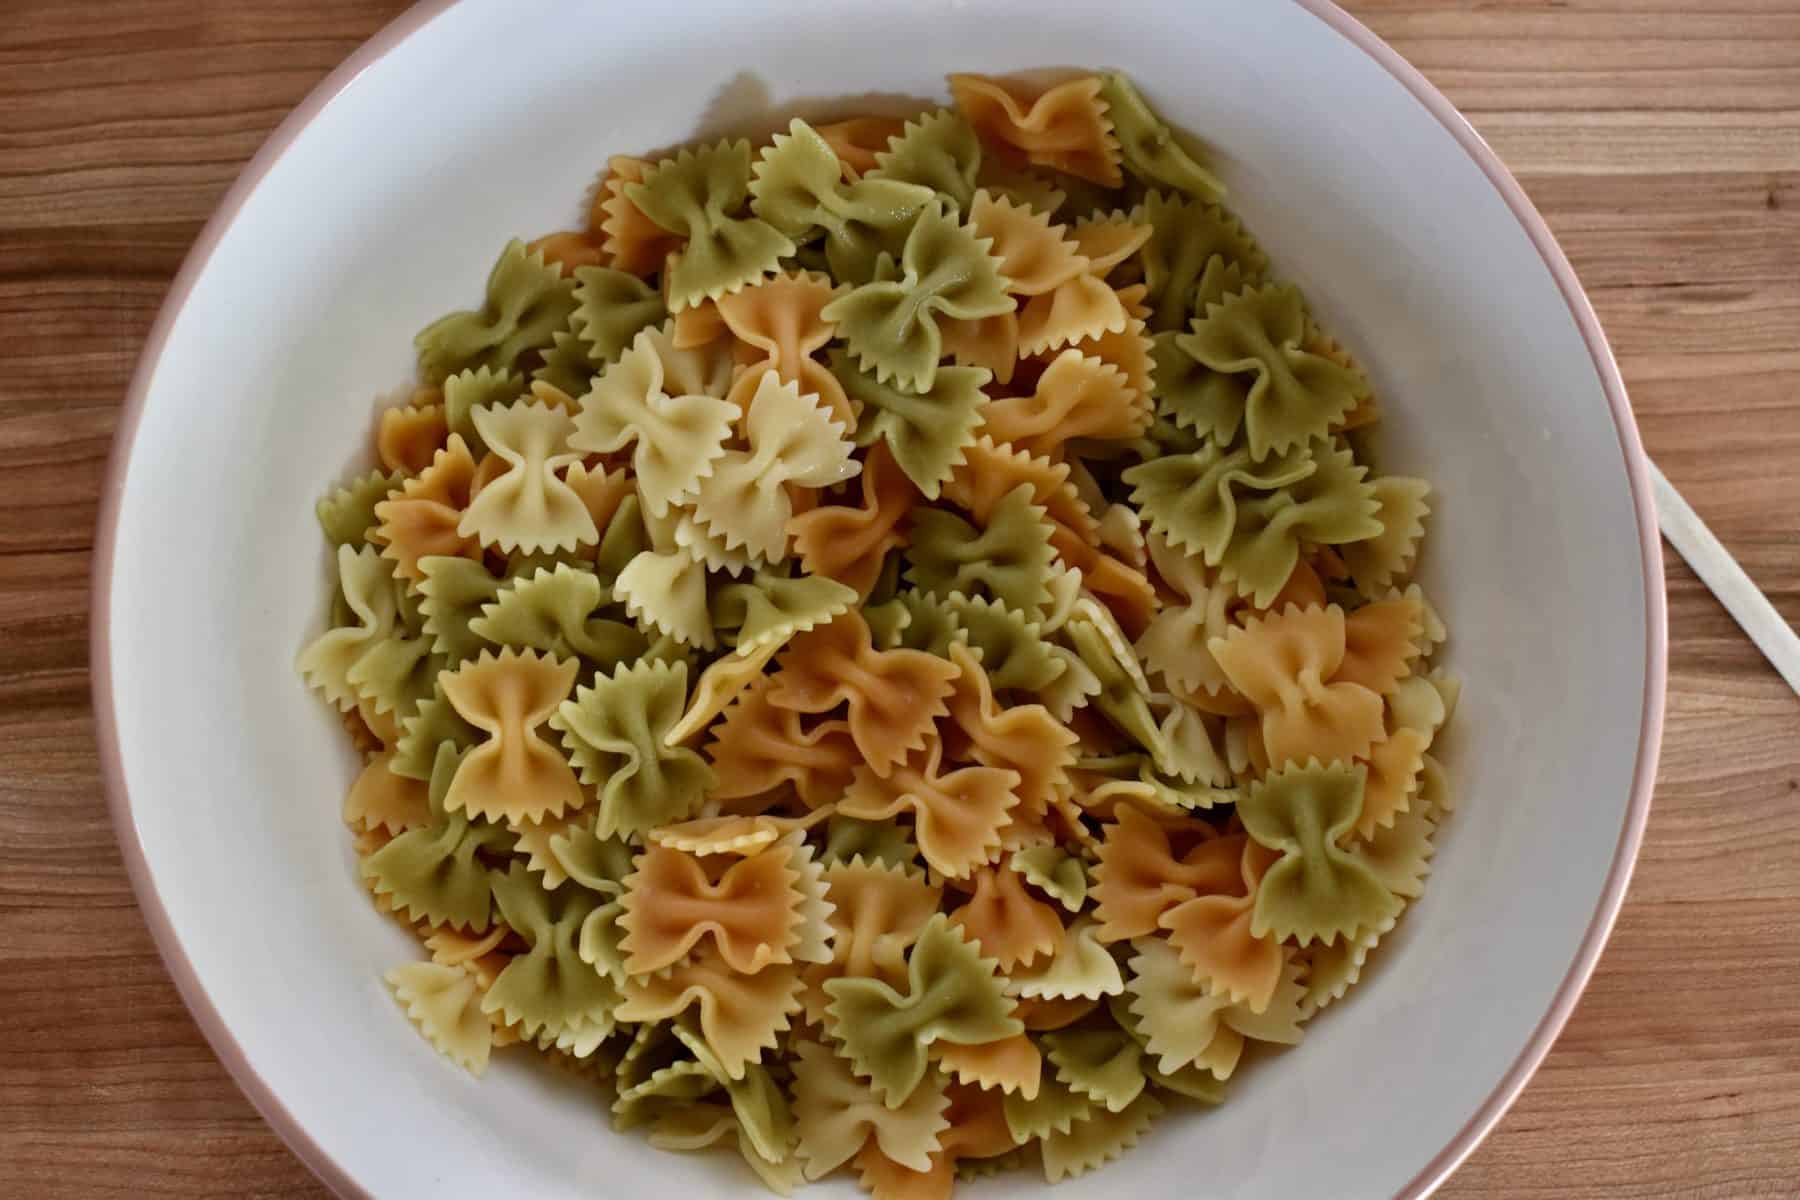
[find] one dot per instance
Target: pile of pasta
(885, 651)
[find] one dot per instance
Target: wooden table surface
(1660, 137)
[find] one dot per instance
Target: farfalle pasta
(877, 654)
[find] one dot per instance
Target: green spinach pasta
(884, 651)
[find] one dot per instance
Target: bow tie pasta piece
(978, 1137)
(1187, 235)
(1418, 703)
(741, 1016)
(1329, 972)
(879, 909)
(629, 240)
(1249, 518)
(759, 747)
(625, 537)
(1400, 855)
(1065, 127)
(958, 814)
(548, 989)
(1039, 1016)
(850, 543)
(1184, 747)
(383, 800)
(664, 590)
(431, 873)
(1212, 933)
(991, 343)
(616, 732)
(445, 1004)
(1010, 926)
(1126, 592)
(769, 610)
(1130, 349)
(790, 440)
(681, 530)
(424, 517)
(1139, 878)
(1319, 888)
(892, 696)
(1055, 1108)
(1396, 775)
(611, 308)
(1076, 397)
(1151, 150)
(1103, 1065)
(1034, 255)
(678, 434)
(1032, 187)
(1081, 969)
(1078, 310)
(433, 723)
(339, 658)
(912, 620)
(704, 1124)
(671, 904)
(527, 301)
(408, 437)
(528, 507)
(891, 325)
(1058, 874)
(347, 514)
(760, 1110)
(1174, 644)
(515, 774)
(566, 847)
(1122, 694)
(836, 1112)
(889, 845)
(1108, 239)
(568, 249)
(1184, 1024)
(705, 836)
(695, 195)
(1287, 666)
(468, 390)
(953, 995)
(723, 681)
(858, 140)
(780, 316)
(937, 150)
(1010, 559)
(1097, 1139)
(553, 611)
(926, 430)
(1011, 1065)
(1381, 640)
(452, 592)
(799, 189)
(1290, 397)
(1023, 738)
(817, 941)
(990, 470)
(1379, 562)
(1013, 651)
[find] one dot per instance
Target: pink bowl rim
(1637, 470)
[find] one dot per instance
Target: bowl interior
(492, 120)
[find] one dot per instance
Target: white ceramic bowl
(380, 203)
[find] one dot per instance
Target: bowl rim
(187, 983)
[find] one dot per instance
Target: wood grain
(1660, 137)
